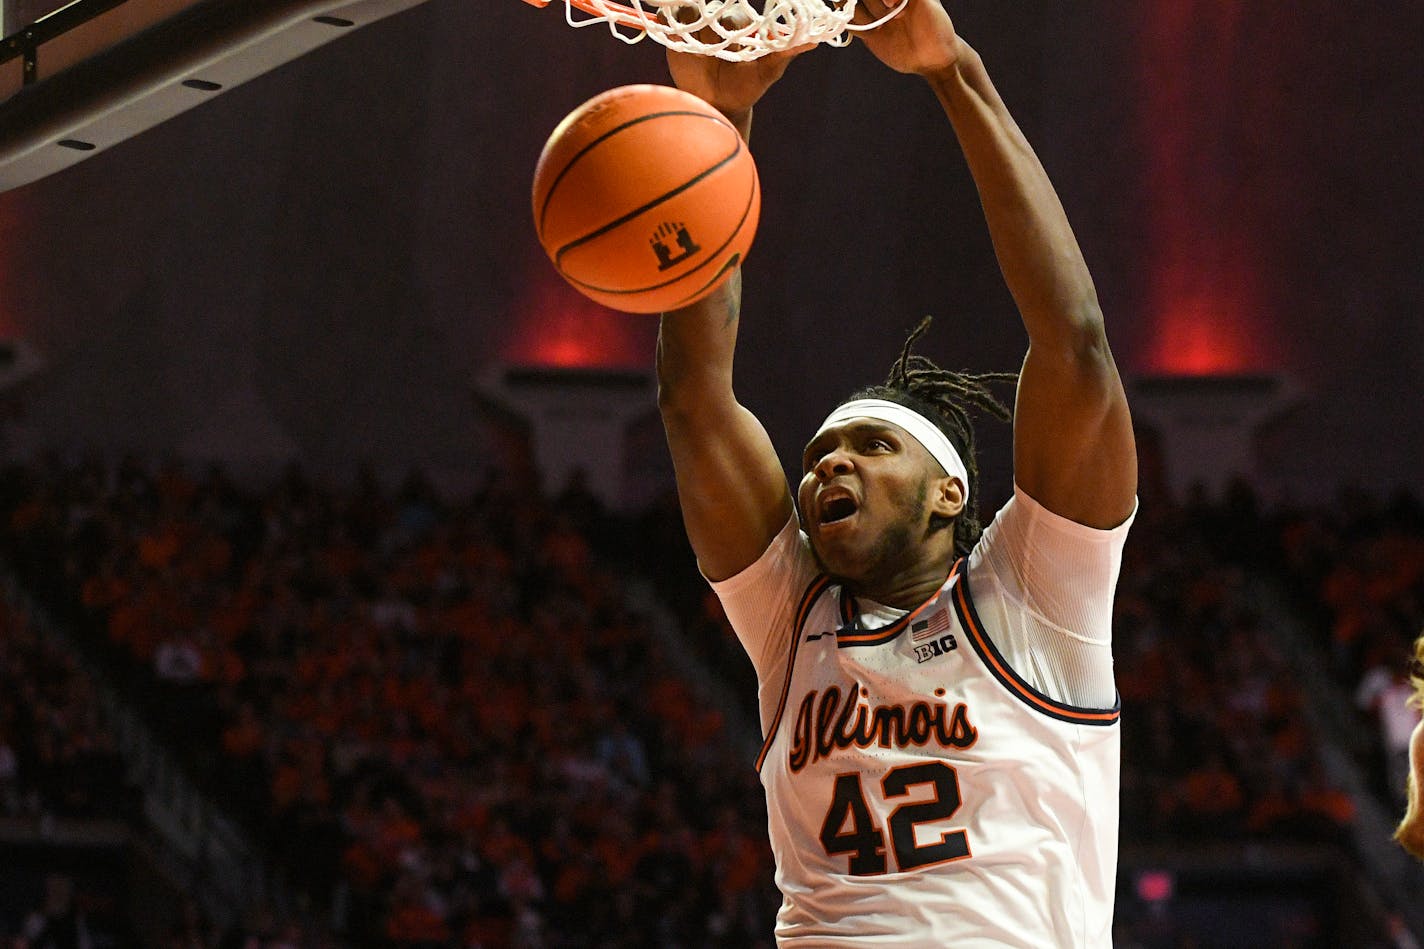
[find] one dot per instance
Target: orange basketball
(646, 198)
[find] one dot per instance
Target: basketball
(646, 198)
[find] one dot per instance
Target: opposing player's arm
(730, 484)
(1073, 443)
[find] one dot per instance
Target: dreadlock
(945, 398)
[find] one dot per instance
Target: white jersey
(921, 790)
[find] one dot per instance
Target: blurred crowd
(1217, 740)
(441, 718)
(446, 724)
(1358, 566)
(58, 757)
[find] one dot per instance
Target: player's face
(1411, 830)
(864, 498)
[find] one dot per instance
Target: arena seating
(442, 718)
(1357, 567)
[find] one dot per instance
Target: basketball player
(941, 723)
(1410, 832)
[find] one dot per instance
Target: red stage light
(1203, 337)
(558, 327)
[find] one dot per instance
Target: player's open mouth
(837, 509)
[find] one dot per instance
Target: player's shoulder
(1029, 549)
(1023, 520)
(786, 562)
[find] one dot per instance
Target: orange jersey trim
(874, 637)
(803, 610)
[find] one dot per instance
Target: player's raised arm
(732, 489)
(1073, 443)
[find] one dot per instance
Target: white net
(736, 30)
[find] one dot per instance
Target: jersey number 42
(849, 827)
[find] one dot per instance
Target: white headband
(915, 425)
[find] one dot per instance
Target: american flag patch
(925, 628)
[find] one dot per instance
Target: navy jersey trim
(813, 592)
(850, 635)
(1011, 680)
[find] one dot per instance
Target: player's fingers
(869, 11)
(783, 57)
(866, 11)
(689, 14)
(684, 13)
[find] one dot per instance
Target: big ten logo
(679, 235)
(935, 648)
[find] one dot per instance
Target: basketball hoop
(733, 30)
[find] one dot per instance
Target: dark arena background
(345, 599)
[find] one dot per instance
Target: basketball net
(733, 30)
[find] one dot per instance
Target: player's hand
(730, 88)
(919, 40)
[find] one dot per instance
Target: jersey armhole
(994, 661)
(817, 586)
